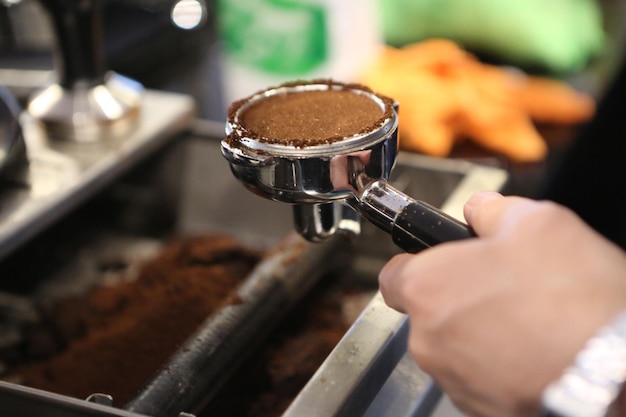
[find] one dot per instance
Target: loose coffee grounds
(117, 337)
(272, 378)
(111, 344)
(313, 117)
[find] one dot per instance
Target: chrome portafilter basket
(334, 183)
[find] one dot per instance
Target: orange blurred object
(447, 95)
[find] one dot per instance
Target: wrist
(592, 384)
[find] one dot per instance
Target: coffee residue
(115, 338)
(272, 377)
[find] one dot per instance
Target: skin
(495, 319)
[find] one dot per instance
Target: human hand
(496, 318)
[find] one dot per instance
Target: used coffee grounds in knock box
(312, 117)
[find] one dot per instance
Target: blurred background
(211, 48)
(218, 51)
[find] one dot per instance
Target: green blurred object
(559, 36)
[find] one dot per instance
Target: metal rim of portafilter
(333, 183)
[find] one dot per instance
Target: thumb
(485, 211)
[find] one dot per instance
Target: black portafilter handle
(420, 225)
(78, 26)
(413, 224)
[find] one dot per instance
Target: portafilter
(328, 148)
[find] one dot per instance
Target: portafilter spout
(328, 148)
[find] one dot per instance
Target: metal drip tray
(186, 188)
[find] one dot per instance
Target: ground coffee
(115, 338)
(311, 117)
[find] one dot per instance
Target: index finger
(388, 278)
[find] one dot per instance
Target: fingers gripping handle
(414, 225)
